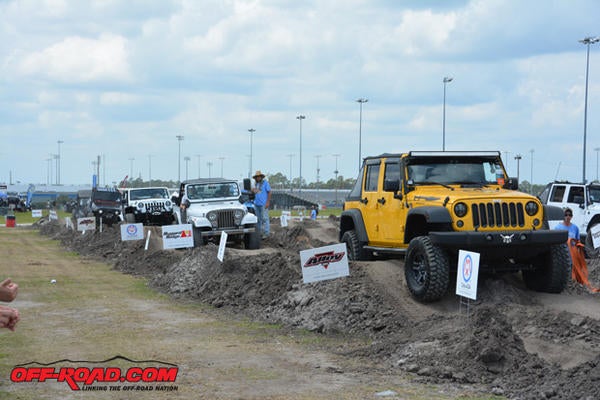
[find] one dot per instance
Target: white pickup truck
(584, 200)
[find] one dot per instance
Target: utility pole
(300, 118)
(251, 130)
(58, 162)
(179, 139)
(291, 178)
(587, 41)
(518, 158)
(336, 178)
(361, 101)
(446, 81)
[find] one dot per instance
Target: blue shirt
(573, 230)
(261, 196)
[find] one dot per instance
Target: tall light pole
(95, 168)
(336, 177)
(251, 130)
(318, 171)
(49, 161)
(597, 149)
(199, 157)
(300, 118)
(209, 165)
(290, 156)
(531, 175)
(360, 101)
(446, 80)
(187, 162)
(149, 169)
(131, 168)
(587, 41)
(59, 142)
(56, 157)
(179, 139)
(518, 158)
(221, 159)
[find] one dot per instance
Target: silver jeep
(217, 205)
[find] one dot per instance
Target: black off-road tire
(252, 240)
(551, 271)
(355, 250)
(590, 251)
(426, 270)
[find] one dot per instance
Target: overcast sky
(121, 79)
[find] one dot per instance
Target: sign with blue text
(132, 232)
(467, 274)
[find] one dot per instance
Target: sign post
(467, 275)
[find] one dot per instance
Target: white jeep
(217, 205)
(149, 205)
(584, 200)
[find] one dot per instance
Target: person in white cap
(262, 201)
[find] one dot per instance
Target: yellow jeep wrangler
(428, 205)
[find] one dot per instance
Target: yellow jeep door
(370, 206)
(392, 212)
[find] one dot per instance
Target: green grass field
(26, 218)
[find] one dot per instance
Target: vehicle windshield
(595, 194)
(455, 171)
(149, 193)
(106, 195)
(206, 191)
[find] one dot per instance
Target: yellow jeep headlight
(531, 208)
(460, 209)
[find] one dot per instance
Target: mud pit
(512, 342)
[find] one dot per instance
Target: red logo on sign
(324, 259)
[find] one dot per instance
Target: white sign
(53, 215)
(285, 217)
(177, 236)
(467, 274)
(222, 244)
(86, 224)
(322, 263)
(36, 213)
(595, 232)
(132, 232)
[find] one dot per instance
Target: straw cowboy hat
(258, 173)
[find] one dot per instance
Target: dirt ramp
(515, 342)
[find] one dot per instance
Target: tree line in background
(280, 181)
(277, 181)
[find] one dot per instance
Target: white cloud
(117, 98)
(80, 60)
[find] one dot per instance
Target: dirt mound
(508, 340)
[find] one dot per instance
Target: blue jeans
(262, 214)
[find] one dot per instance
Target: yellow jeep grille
(498, 215)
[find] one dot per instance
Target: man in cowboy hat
(262, 200)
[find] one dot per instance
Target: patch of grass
(26, 217)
